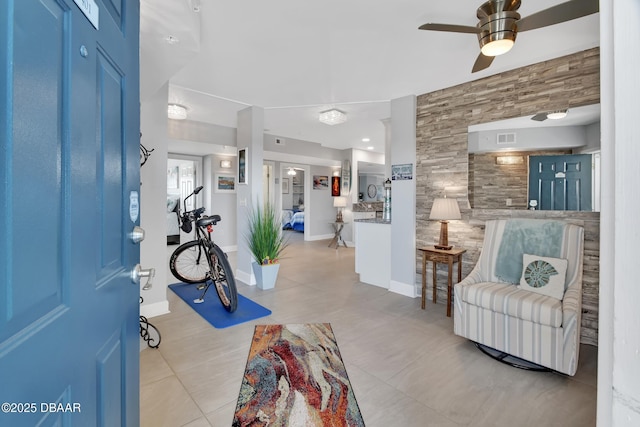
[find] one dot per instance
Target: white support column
(618, 324)
(250, 136)
(403, 194)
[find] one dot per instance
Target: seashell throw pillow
(543, 275)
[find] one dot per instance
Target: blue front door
(69, 126)
(560, 183)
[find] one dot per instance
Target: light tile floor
(406, 366)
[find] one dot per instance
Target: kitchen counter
(373, 220)
(373, 251)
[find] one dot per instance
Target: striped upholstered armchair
(524, 295)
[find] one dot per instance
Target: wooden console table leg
(435, 288)
(450, 264)
(424, 278)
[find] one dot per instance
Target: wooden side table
(449, 257)
(337, 237)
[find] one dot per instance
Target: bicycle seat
(203, 222)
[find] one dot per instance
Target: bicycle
(201, 261)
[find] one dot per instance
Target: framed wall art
(320, 182)
(224, 183)
(346, 177)
(242, 165)
(335, 186)
(402, 172)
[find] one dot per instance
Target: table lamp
(443, 210)
(339, 202)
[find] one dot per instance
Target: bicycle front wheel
(222, 277)
(189, 263)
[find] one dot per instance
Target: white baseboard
(155, 309)
(321, 237)
(403, 289)
(246, 278)
(233, 248)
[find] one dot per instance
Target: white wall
(618, 323)
(553, 137)
(320, 213)
(364, 180)
(299, 151)
(153, 201)
(220, 202)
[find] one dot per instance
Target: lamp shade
(445, 209)
(339, 202)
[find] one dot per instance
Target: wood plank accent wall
(442, 120)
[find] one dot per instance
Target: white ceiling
(296, 58)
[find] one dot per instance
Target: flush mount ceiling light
(332, 117)
(176, 111)
(558, 114)
(498, 47)
(553, 115)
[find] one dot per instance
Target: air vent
(506, 138)
(280, 141)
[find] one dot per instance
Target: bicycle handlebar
(189, 217)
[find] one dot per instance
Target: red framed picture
(335, 186)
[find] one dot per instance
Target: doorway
(183, 176)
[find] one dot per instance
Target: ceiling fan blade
(450, 28)
(561, 13)
(482, 62)
(540, 117)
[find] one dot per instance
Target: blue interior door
(69, 120)
(561, 183)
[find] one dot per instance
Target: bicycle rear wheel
(222, 277)
(189, 264)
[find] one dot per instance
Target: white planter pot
(266, 275)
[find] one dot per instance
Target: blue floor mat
(213, 311)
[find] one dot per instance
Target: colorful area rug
(295, 377)
(213, 311)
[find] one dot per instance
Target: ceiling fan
(499, 22)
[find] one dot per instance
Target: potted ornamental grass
(266, 242)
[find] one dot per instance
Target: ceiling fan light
(497, 47)
(332, 117)
(176, 111)
(558, 114)
(291, 172)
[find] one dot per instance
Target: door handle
(139, 272)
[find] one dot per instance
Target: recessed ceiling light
(366, 139)
(369, 148)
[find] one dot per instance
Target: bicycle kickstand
(206, 288)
